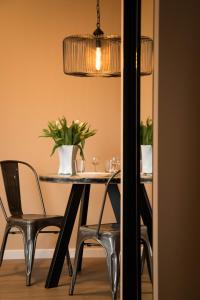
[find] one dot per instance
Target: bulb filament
(98, 58)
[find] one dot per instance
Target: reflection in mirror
(146, 155)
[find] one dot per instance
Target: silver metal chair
(30, 225)
(146, 253)
(108, 236)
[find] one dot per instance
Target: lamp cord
(98, 32)
(98, 13)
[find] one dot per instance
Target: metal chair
(146, 253)
(108, 236)
(30, 225)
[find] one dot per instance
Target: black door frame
(131, 274)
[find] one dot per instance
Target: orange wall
(34, 89)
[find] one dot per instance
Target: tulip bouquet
(73, 134)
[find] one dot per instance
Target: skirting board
(48, 253)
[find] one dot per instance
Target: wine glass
(80, 165)
(115, 164)
(95, 162)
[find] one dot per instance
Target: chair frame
(112, 246)
(110, 242)
(29, 230)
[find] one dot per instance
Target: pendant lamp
(98, 55)
(94, 54)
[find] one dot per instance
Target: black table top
(87, 178)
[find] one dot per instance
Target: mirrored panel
(146, 140)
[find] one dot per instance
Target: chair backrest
(104, 199)
(10, 173)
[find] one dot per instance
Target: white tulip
(58, 124)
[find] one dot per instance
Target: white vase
(67, 157)
(146, 152)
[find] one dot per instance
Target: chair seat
(35, 218)
(105, 229)
(111, 227)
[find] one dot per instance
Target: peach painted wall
(34, 89)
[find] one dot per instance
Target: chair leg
(30, 236)
(75, 268)
(113, 266)
(143, 257)
(3, 245)
(147, 250)
(69, 264)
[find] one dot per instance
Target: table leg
(114, 194)
(83, 218)
(64, 236)
(146, 211)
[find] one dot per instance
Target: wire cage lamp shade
(80, 56)
(83, 57)
(146, 56)
(98, 54)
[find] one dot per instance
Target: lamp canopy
(99, 55)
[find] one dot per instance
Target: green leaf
(61, 134)
(69, 136)
(54, 149)
(81, 152)
(76, 139)
(146, 132)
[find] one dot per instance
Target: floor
(92, 283)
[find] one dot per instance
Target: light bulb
(98, 58)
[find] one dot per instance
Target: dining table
(79, 196)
